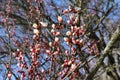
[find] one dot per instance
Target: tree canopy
(59, 39)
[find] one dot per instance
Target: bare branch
(105, 53)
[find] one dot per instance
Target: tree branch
(105, 53)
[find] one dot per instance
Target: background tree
(59, 40)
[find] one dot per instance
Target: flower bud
(70, 62)
(48, 51)
(77, 41)
(69, 22)
(35, 37)
(37, 45)
(81, 32)
(72, 28)
(56, 52)
(59, 19)
(61, 27)
(56, 39)
(76, 20)
(70, 8)
(42, 70)
(67, 52)
(60, 73)
(68, 43)
(73, 66)
(57, 34)
(53, 26)
(52, 31)
(7, 66)
(36, 31)
(9, 74)
(74, 41)
(50, 44)
(65, 11)
(73, 49)
(35, 26)
(81, 42)
(66, 39)
(68, 33)
(32, 49)
(43, 24)
(72, 18)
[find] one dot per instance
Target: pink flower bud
(38, 45)
(32, 50)
(22, 76)
(18, 64)
(9, 74)
(56, 39)
(52, 31)
(81, 42)
(59, 19)
(36, 31)
(57, 34)
(59, 73)
(77, 41)
(42, 70)
(53, 26)
(43, 24)
(7, 66)
(76, 20)
(68, 33)
(81, 32)
(69, 22)
(50, 44)
(72, 18)
(56, 52)
(73, 49)
(69, 62)
(73, 66)
(62, 65)
(67, 52)
(35, 26)
(70, 8)
(14, 54)
(48, 51)
(72, 28)
(65, 11)
(68, 43)
(66, 39)
(35, 37)
(74, 41)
